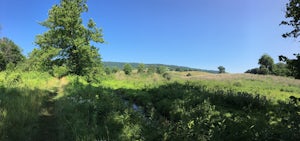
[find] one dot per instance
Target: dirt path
(48, 123)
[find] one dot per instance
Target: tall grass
(150, 107)
(21, 96)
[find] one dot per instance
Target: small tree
(141, 68)
(266, 62)
(221, 69)
(127, 69)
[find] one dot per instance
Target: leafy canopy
(127, 69)
(292, 15)
(266, 62)
(10, 53)
(68, 41)
(221, 69)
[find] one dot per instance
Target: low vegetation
(203, 106)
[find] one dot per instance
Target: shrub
(167, 76)
(127, 69)
(60, 71)
(108, 70)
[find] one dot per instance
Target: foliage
(151, 69)
(127, 69)
(67, 42)
(9, 53)
(142, 107)
(281, 69)
(60, 71)
(267, 66)
(141, 68)
(161, 69)
(21, 96)
(293, 65)
(108, 71)
(221, 69)
(253, 71)
(263, 70)
(292, 15)
(167, 76)
(114, 69)
(170, 67)
(266, 62)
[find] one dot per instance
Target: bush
(114, 70)
(167, 76)
(141, 68)
(127, 69)
(108, 70)
(189, 74)
(151, 69)
(60, 71)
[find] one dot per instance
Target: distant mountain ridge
(171, 67)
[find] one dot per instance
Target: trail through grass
(37, 107)
(48, 123)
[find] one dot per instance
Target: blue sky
(196, 33)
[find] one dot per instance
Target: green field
(203, 106)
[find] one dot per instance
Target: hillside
(170, 67)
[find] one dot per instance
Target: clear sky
(196, 33)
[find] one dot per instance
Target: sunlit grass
(84, 110)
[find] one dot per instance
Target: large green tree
(68, 41)
(292, 16)
(9, 53)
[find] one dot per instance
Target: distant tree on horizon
(266, 63)
(221, 69)
(127, 69)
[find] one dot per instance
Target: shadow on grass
(188, 111)
(22, 114)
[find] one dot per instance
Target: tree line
(268, 67)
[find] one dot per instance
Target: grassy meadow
(202, 106)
